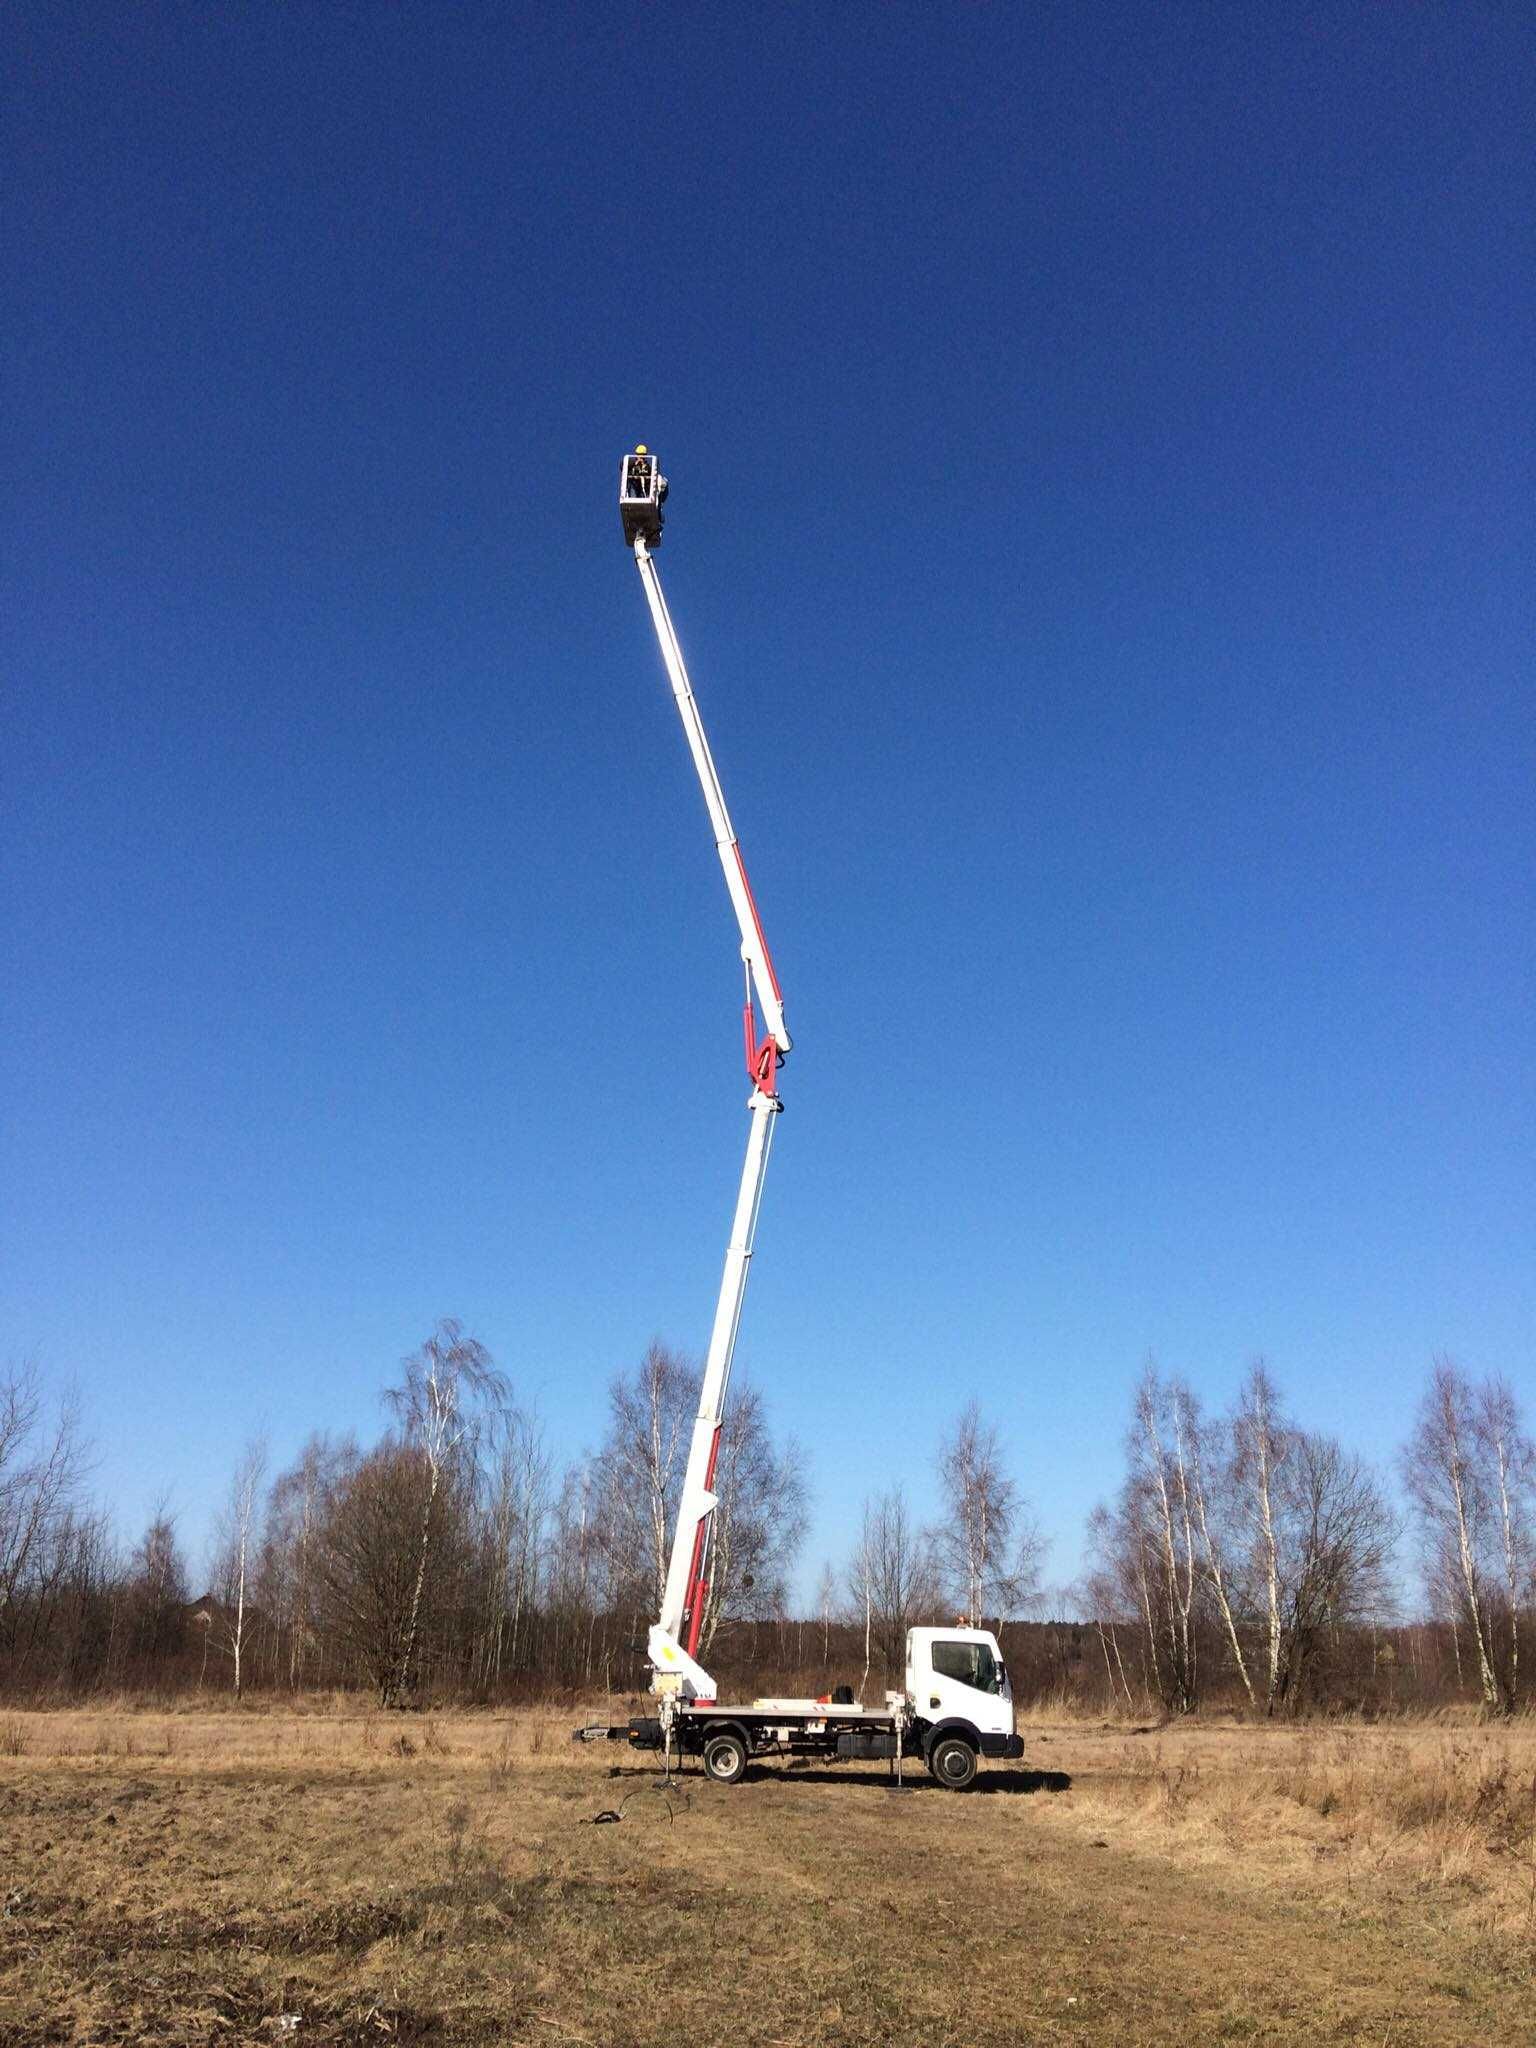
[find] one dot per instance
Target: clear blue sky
(1102, 455)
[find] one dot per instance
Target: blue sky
(1101, 534)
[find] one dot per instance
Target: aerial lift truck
(957, 1707)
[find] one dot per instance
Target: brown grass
(337, 1876)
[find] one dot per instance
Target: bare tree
(157, 1593)
(1102, 1596)
(861, 1588)
(237, 1544)
(760, 1521)
(436, 1402)
(573, 1573)
(988, 1548)
(1245, 1530)
(637, 1482)
(893, 1579)
(1212, 1491)
(639, 1474)
(518, 1482)
(288, 1561)
(1336, 1548)
(826, 1601)
(365, 1560)
(1468, 1470)
(1262, 1442)
(1146, 1548)
(42, 1465)
(72, 1620)
(1160, 1478)
(1508, 1457)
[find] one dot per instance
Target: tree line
(1249, 1558)
(446, 1559)
(1243, 1559)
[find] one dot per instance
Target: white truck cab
(960, 1700)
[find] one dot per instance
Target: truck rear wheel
(725, 1757)
(953, 1762)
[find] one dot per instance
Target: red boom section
(757, 923)
(698, 1585)
(762, 1053)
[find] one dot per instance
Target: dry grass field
(330, 1877)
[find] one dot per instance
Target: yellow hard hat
(641, 449)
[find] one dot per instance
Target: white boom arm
(687, 1590)
(674, 1639)
(754, 948)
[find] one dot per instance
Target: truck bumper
(1009, 1746)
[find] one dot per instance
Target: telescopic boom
(957, 1706)
(674, 1640)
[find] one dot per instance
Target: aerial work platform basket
(642, 493)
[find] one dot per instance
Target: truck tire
(725, 1757)
(953, 1763)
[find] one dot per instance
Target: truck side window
(970, 1664)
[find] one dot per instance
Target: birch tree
(638, 1478)
(293, 1517)
(573, 1572)
(1160, 1467)
(237, 1540)
(1261, 1444)
(1103, 1596)
(1509, 1459)
(638, 1475)
(893, 1579)
(518, 1481)
(1468, 1471)
(760, 1520)
(1298, 1540)
(442, 1388)
(1211, 1491)
(987, 1547)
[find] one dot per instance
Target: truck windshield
(970, 1664)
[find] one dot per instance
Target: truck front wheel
(725, 1758)
(953, 1762)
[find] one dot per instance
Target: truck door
(967, 1680)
